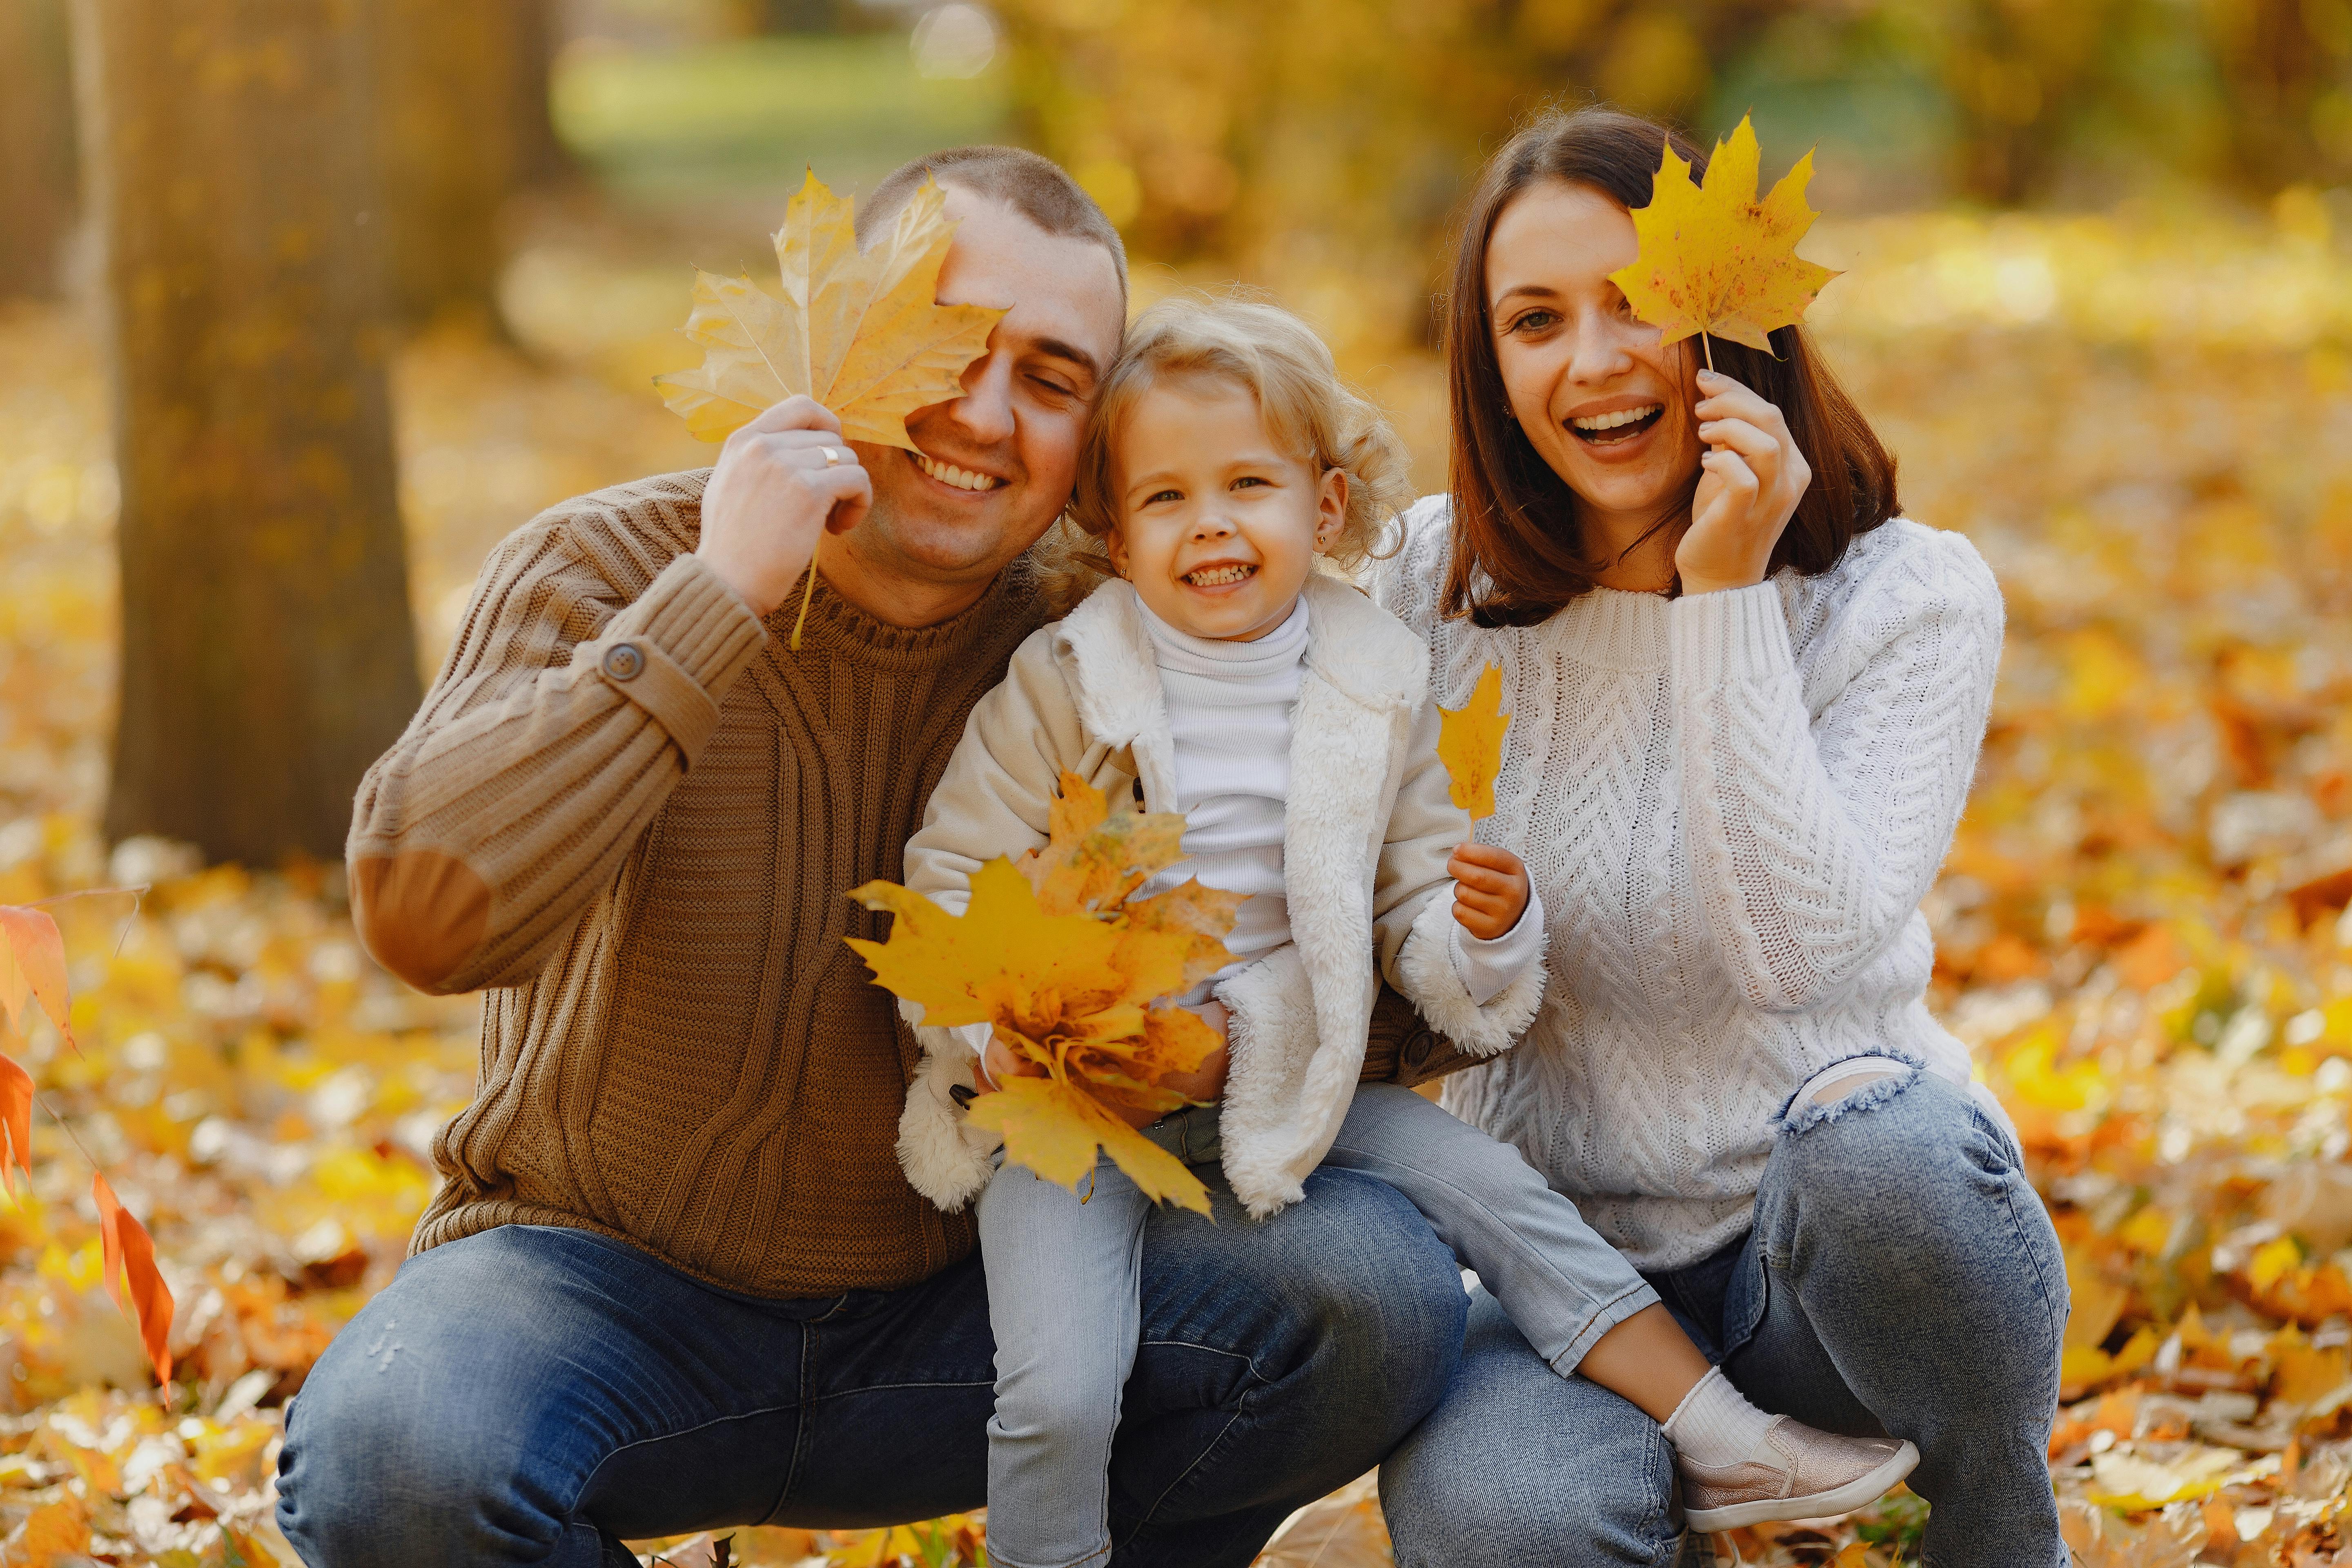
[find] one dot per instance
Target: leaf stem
(808, 592)
(1707, 346)
(71, 1137)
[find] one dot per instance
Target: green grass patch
(747, 115)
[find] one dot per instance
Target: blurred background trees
(540, 172)
(462, 124)
(267, 652)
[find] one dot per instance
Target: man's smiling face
(995, 466)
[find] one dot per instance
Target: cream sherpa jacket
(1367, 833)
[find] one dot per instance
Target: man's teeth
(1610, 421)
(962, 478)
(1216, 577)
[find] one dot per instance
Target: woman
(1747, 702)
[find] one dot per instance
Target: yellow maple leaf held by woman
(1714, 259)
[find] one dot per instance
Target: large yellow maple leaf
(860, 331)
(1470, 744)
(1714, 259)
(1072, 971)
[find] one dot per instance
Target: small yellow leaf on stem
(1470, 744)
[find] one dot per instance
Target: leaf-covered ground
(2148, 429)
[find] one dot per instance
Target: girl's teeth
(1610, 421)
(1216, 577)
(949, 473)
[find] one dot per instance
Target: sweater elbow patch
(421, 913)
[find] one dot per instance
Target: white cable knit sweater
(1731, 804)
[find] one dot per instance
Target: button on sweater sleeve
(1817, 818)
(565, 716)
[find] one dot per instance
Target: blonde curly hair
(1275, 358)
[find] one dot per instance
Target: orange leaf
(131, 1260)
(1470, 744)
(55, 1531)
(16, 1121)
(1714, 259)
(1096, 854)
(33, 960)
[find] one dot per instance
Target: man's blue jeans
(533, 1395)
(1902, 1278)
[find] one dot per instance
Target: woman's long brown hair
(1516, 555)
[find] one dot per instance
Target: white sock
(1715, 1426)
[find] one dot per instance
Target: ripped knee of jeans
(1857, 1083)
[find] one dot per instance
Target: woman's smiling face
(1603, 405)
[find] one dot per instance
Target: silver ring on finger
(832, 455)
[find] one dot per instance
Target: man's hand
(782, 481)
(1490, 890)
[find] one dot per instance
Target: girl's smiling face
(1603, 404)
(1219, 523)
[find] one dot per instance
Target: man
(673, 1277)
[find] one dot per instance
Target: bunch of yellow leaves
(1715, 260)
(1071, 971)
(861, 331)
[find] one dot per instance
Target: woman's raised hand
(1749, 483)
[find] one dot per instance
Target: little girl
(1229, 676)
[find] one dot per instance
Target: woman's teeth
(947, 473)
(1218, 576)
(1601, 423)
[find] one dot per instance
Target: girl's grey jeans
(1902, 1278)
(1062, 1294)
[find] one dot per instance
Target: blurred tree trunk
(2286, 67)
(464, 124)
(540, 158)
(36, 146)
(267, 656)
(2019, 76)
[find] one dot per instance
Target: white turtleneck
(1229, 707)
(1229, 716)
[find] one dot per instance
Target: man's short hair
(1037, 188)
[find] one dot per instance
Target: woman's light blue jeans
(1063, 1272)
(1902, 1279)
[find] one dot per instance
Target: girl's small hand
(1000, 1062)
(1205, 1083)
(1490, 890)
(1750, 482)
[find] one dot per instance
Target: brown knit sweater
(627, 808)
